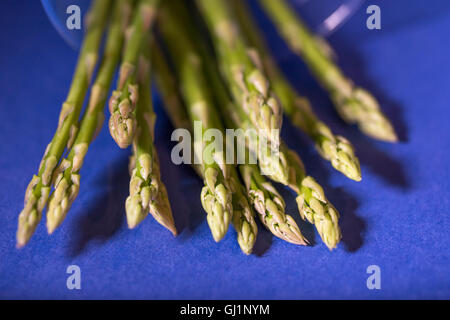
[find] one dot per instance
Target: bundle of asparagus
(231, 84)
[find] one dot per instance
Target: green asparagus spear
(67, 174)
(336, 149)
(354, 104)
(243, 215)
(284, 226)
(312, 203)
(311, 199)
(262, 195)
(147, 192)
(38, 191)
(270, 206)
(234, 116)
(216, 196)
(122, 104)
(248, 85)
(167, 87)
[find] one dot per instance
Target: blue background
(397, 217)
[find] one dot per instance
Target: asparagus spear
(167, 87)
(312, 203)
(38, 190)
(248, 85)
(311, 200)
(243, 215)
(216, 196)
(354, 104)
(338, 150)
(122, 104)
(270, 205)
(283, 226)
(271, 162)
(147, 192)
(67, 181)
(233, 116)
(262, 195)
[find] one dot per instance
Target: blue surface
(397, 217)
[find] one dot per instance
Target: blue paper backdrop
(396, 218)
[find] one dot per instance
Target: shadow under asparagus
(263, 241)
(103, 219)
(182, 183)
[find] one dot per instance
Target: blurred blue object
(57, 13)
(324, 16)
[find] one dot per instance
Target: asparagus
(67, 182)
(216, 196)
(272, 163)
(234, 116)
(38, 190)
(270, 206)
(338, 150)
(243, 214)
(147, 192)
(354, 104)
(312, 203)
(310, 196)
(122, 104)
(334, 148)
(167, 87)
(262, 195)
(272, 209)
(247, 83)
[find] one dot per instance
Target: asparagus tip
(381, 130)
(160, 209)
(24, 234)
(134, 211)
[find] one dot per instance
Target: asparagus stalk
(283, 226)
(354, 104)
(167, 87)
(338, 150)
(248, 85)
(38, 190)
(243, 214)
(147, 192)
(312, 203)
(243, 221)
(216, 196)
(263, 196)
(122, 104)
(67, 182)
(270, 162)
(270, 206)
(311, 200)
(234, 116)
